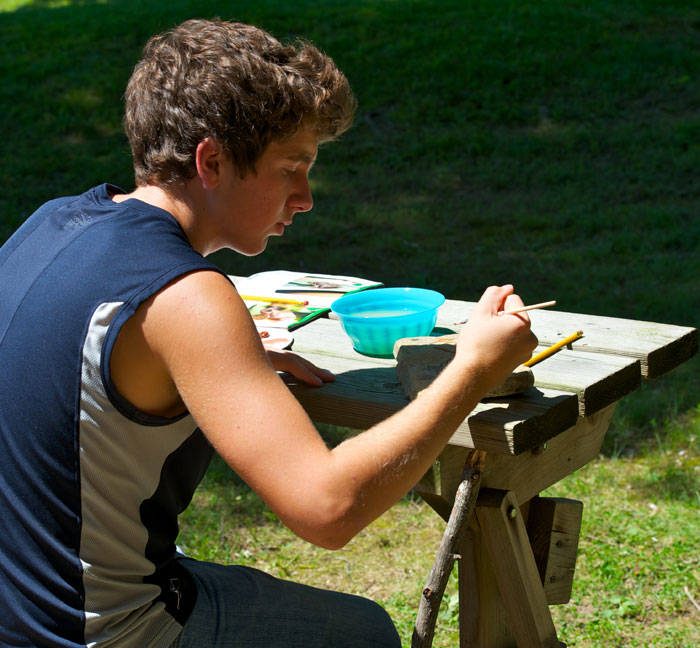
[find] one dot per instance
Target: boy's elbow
(331, 524)
(332, 536)
(332, 542)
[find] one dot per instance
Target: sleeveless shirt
(90, 487)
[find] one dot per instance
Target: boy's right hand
(492, 344)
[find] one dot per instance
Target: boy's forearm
(369, 473)
(381, 465)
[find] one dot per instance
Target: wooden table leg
(502, 601)
(482, 618)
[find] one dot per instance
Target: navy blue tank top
(90, 487)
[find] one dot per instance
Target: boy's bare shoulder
(199, 300)
(181, 320)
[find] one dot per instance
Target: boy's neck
(178, 202)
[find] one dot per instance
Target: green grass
(554, 145)
(638, 557)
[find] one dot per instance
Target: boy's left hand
(299, 367)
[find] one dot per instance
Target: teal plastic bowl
(374, 319)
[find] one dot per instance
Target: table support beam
(516, 574)
(482, 618)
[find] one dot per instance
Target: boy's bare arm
(201, 331)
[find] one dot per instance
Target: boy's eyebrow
(302, 157)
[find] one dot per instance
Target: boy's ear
(208, 162)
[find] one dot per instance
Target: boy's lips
(280, 226)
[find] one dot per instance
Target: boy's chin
(250, 250)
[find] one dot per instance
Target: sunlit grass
(12, 5)
(551, 145)
(637, 563)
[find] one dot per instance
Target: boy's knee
(381, 628)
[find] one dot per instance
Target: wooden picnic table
(518, 554)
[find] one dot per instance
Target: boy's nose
(302, 200)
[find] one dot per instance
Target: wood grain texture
(526, 474)
(515, 569)
(659, 347)
(597, 379)
(605, 365)
(483, 622)
(458, 521)
(367, 390)
(364, 394)
(553, 526)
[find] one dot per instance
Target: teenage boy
(126, 357)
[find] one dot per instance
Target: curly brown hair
(234, 83)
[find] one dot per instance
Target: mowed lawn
(552, 145)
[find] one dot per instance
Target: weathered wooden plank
(598, 379)
(529, 473)
(524, 475)
(659, 347)
(366, 391)
(325, 336)
(515, 424)
(483, 621)
(459, 519)
(419, 360)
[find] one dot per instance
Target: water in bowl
(381, 313)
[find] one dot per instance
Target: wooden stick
(553, 349)
(692, 600)
(465, 501)
(522, 309)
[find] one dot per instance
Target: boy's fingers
(494, 297)
(300, 368)
(514, 301)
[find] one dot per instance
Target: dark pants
(246, 608)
